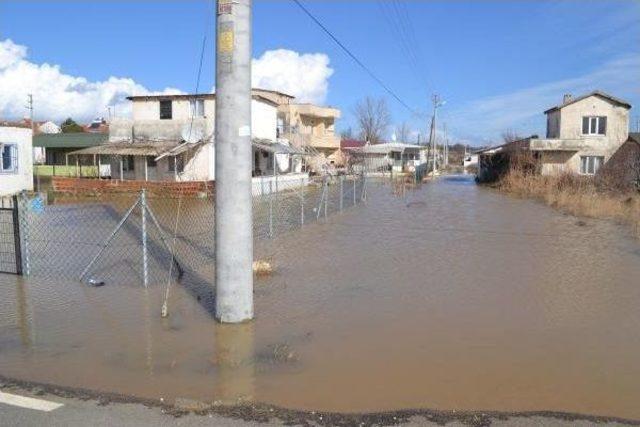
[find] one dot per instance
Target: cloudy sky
(498, 64)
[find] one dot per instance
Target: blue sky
(498, 64)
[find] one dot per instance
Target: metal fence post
(24, 227)
(354, 190)
(145, 260)
(326, 197)
(16, 235)
(341, 190)
(301, 201)
(270, 208)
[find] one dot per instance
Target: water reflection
(235, 362)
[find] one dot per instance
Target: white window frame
(589, 165)
(594, 120)
(13, 158)
(196, 107)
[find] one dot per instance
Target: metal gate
(10, 253)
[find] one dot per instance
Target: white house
(395, 156)
(171, 138)
(16, 168)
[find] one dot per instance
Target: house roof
(634, 136)
(187, 96)
(598, 93)
(137, 148)
(387, 147)
(276, 147)
(352, 143)
(69, 140)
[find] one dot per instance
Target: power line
(355, 58)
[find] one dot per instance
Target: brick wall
(93, 186)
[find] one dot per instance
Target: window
(128, 163)
(589, 165)
(151, 162)
(166, 112)
(197, 107)
(9, 162)
(594, 125)
(176, 162)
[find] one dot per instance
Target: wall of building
(617, 122)
(553, 124)
(566, 124)
(196, 167)
(22, 179)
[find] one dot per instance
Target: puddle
(448, 297)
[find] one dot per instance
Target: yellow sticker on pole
(225, 41)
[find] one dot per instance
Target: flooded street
(449, 296)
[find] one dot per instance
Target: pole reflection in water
(22, 314)
(235, 362)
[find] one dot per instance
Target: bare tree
(373, 119)
(510, 136)
(403, 132)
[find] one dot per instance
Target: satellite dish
(192, 134)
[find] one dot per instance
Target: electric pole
(437, 103)
(446, 145)
(29, 107)
(233, 208)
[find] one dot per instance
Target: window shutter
(585, 125)
(602, 125)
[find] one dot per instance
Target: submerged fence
(145, 237)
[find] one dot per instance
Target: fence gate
(10, 254)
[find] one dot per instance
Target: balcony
(327, 141)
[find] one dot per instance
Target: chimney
(567, 98)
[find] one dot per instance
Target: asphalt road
(42, 411)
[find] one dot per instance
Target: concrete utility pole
(446, 145)
(233, 210)
(432, 136)
(29, 107)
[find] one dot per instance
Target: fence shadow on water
(64, 237)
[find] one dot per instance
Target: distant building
(391, 156)
(582, 134)
(16, 169)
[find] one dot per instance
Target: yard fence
(150, 237)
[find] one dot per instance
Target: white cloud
(58, 95)
(305, 76)
(522, 110)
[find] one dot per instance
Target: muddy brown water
(449, 296)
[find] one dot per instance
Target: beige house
(583, 133)
(307, 126)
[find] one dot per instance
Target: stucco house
(171, 138)
(16, 166)
(583, 133)
(307, 126)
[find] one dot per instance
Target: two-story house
(306, 126)
(583, 133)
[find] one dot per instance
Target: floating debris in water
(262, 267)
(95, 283)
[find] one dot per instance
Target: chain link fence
(148, 238)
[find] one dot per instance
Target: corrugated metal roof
(388, 147)
(127, 148)
(277, 148)
(69, 140)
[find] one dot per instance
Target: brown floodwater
(449, 296)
